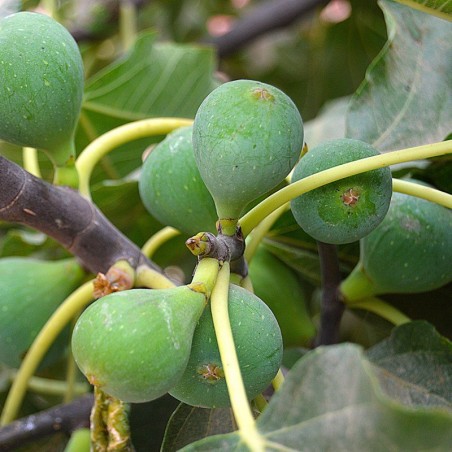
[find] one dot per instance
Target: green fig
(409, 252)
(259, 346)
(42, 84)
(171, 187)
(278, 286)
(31, 290)
(348, 209)
(135, 344)
(247, 137)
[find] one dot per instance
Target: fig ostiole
(259, 346)
(348, 209)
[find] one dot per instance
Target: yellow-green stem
(80, 441)
(251, 219)
(48, 386)
(421, 191)
(206, 275)
(236, 389)
(278, 381)
(381, 308)
(148, 277)
(73, 304)
(30, 159)
(158, 239)
(261, 230)
(260, 403)
(100, 147)
(127, 24)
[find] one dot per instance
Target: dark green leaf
(415, 365)
(189, 424)
(331, 400)
(406, 98)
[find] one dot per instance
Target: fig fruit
(258, 342)
(247, 137)
(171, 187)
(31, 290)
(42, 84)
(409, 252)
(278, 286)
(348, 209)
(135, 344)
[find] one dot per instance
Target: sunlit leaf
(406, 99)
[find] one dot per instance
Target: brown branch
(265, 17)
(63, 214)
(332, 306)
(61, 418)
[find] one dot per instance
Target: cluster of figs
(247, 137)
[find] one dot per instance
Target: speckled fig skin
(348, 209)
(31, 290)
(135, 344)
(409, 252)
(247, 137)
(171, 187)
(259, 346)
(42, 84)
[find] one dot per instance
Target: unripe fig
(409, 252)
(348, 209)
(31, 290)
(258, 342)
(42, 84)
(247, 137)
(278, 286)
(135, 344)
(171, 187)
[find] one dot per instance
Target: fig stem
(205, 276)
(157, 240)
(381, 308)
(70, 307)
(278, 381)
(148, 277)
(48, 386)
(236, 389)
(127, 24)
(421, 191)
(357, 286)
(30, 161)
(110, 140)
(261, 231)
(252, 218)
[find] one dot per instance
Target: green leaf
(439, 8)
(155, 79)
(189, 424)
(412, 74)
(329, 123)
(415, 365)
(331, 400)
